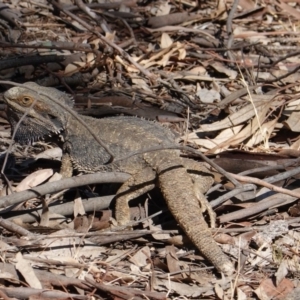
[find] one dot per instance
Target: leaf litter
(224, 76)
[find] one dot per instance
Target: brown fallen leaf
(268, 290)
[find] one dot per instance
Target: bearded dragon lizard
(183, 182)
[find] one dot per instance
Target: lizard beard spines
(31, 130)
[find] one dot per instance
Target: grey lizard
(183, 182)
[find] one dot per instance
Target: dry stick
(102, 233)
(13, 227)
(284, 57)
(77, 47)
(282, 176)
(251, 228)
(27, 292)
(65, 209)
(107, 41)
(236, 191)
(129, 293)
(65, 183)
(247, 187)
(49, 261)
(65, 107)
(82, 6)
(263, 204)
(107, 5)
(229, 28)
(266, 184)
(270, 168)
(92, 15)
(250, 211)
(278, 78)
(29, 60)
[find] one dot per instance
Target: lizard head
(43, 117)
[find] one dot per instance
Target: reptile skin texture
(183, 182)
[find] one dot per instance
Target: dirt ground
(225, 77)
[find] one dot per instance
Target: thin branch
(65, 183)
(123, 53)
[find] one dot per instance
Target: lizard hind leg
(137, 185)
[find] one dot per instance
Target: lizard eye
(26, 100)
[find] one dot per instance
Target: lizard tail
(177, 188)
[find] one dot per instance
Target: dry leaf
(288, 10)
(62, 243)
(163, 9)
(74, 67)
(34, 179)
(263, 134)
(211, 143)
(165, 41)
(267, 289)
(220, 292)
(232, 74)
(141, 257)
(129, 68)
(190, 291)
(238, 117)
(281, 272)
(53, 153)
(241, 295)
(78, 207)
(293, 122)
(24, 267)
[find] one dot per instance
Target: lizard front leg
(66, 169)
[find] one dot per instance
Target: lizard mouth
(33, 129)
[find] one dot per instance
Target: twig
(282, 176)
(27, 292)
(13, 227)
(266, 184)
(282, 76)
(128, 293)
(151, 76)
(229, 27)
(250, 211)
(248, 187)
(236, 191)
(76, 47)
(65, 209)
(29, 60)
(65, 183)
